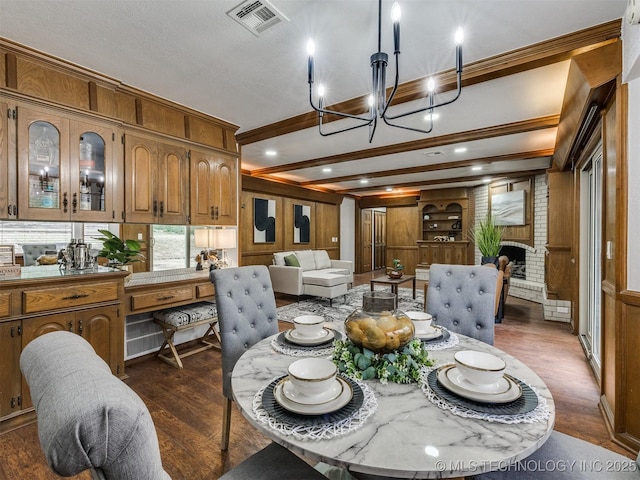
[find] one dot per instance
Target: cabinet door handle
(216, 213)
(167, 297)
(74, 203)
(65, 202)
(80, 327)
(213, 213)
(71, 326)
(161, 208)
(15, 210)
(75, 296)
(155, 208)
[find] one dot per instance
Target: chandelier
(378, 101)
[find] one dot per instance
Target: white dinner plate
(435, 333)
(330, 394)
(513, 393)
(294, 337)
(320, 409)
(455, 375)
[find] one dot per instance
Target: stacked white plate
(336, 396)
(505, 390)
(324, 335)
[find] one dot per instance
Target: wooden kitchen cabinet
(44, 300)
(214, 188)
(10, 377)
(68, 167)
(156, 181)
(8, 181)
(96, 325)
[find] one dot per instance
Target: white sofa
(317, 274)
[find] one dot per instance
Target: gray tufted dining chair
(461, 298)
(246, 314)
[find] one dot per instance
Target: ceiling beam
(519, 60)
(443, 181)
(433, 168)
(523, 126)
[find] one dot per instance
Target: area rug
(342, 306)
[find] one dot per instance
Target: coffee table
(394, 282)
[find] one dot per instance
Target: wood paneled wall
(560, 271)
(325, 221)
(403, 229)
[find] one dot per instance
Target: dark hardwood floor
(186, 405)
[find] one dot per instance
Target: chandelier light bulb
(395, 12)
(459, 36)
(370, 100)
(321, 91)
(311, 48)
(431, 85)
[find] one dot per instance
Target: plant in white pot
(488, 238)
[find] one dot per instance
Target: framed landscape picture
(508, 208)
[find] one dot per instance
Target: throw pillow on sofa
(291, 260)
(306, 259)
(322, 259)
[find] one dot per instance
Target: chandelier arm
(429, 107)
(372, 130)
(404, 127)
(395, 88)
(340, 114)
(328, 134)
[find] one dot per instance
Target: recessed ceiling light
(270, 153)
(431, 116)
(326, 169)
(389, 189)
(364, 181)
(487, 180)
(476, 168)
(460, 149)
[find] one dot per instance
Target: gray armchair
(462, 299)
(88, 418)
(246, 314)
(31, 251)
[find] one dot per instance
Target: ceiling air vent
(257, 16)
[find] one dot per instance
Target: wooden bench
(174, 319)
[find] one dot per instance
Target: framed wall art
(301, 224)
(264, 220)
(508, 208)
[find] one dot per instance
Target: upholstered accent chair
(566, 458)
(88, 418)
(31, 251)
(246, 314)
(462, 299)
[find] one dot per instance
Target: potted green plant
(397, 270)
(117, 251)
(487, 236)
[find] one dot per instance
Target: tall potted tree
(487, 236)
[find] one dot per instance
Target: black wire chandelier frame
(378, 101)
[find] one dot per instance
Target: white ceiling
(191, 52)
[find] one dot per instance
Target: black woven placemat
(280, 413)
(527, 402)
(441, 338)
(282, 340)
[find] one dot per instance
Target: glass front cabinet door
(66, 168)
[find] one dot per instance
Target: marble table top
(408, 436)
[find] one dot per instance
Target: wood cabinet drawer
(159, 298)
(5, 304)
(67, 297)
(205, 290)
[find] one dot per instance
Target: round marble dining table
(408, 436)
